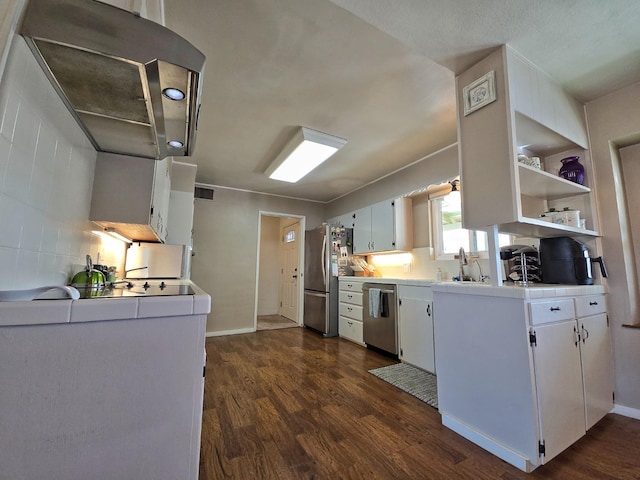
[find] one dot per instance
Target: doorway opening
(279, 286)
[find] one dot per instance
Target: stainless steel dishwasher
(379, 320)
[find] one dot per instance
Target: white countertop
(476, 288)
(44, 312)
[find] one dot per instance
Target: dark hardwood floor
(289, 404)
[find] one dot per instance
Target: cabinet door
(362, 231)
(160, 205)
(382, 227)
(416, 333)
(597, 367)
(558, 376)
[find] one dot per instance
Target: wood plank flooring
(289, 404)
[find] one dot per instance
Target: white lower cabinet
(350, 311)
(524, 379)
(415, 324)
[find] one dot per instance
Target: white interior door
(290, 271)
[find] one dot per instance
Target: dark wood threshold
(630, 325)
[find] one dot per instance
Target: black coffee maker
(567, 261)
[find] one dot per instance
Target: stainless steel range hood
(112, 69)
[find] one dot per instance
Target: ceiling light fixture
(174, 93)
(304, 152)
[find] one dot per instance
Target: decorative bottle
(572, 170)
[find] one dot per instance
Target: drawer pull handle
(349, 285)
(555, 309)
(350, 323)
(349, 296)
(349, 308)
(593, 303)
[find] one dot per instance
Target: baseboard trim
(490, 445)
(231, 332)
(626, 411)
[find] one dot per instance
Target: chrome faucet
(481, 276)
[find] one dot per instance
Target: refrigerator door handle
(324, 258)
(312, 294)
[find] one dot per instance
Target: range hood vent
(112, 69)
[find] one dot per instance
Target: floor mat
(412, 380)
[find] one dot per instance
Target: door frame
(302, 220)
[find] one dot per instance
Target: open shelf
(538, 183)
(534, 227)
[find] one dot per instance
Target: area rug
(412, 380)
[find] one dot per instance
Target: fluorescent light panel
(304, 152)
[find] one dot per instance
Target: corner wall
(225, 242)
(614, 122)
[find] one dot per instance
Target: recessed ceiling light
(175, 144)
(173, 93)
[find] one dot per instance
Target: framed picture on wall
(479, 93)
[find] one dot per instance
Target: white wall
(225, 241)
(46, 177)
(614, 121)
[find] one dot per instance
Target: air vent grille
(205, 193)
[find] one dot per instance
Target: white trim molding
(626, 411)
(231, 332)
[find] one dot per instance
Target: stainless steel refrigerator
(327, 249)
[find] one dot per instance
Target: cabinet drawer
(351, 297)
(590, 305)
(351, 286)
(351, 329)
(551, 311)
(351, 311)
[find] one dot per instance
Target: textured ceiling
(378, 73)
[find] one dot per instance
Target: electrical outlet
(407, 267)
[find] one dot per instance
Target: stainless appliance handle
(324, 257)
(313, 294)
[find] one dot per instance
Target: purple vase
(572, 170)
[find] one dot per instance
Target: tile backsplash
(46, 178)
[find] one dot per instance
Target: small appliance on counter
(565, 260)
(514, 257)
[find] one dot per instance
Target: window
(447, 231)
(290, 236)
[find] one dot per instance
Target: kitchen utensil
(89, 282)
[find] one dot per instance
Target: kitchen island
(522, 372)
(102, 388)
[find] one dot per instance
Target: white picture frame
(479, 93)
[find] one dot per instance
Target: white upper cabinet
(533, 116)
(180, 227)
(131, 195)
(383, 227)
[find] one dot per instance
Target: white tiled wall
(46, 178)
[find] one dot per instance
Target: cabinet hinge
(533, 340)
(541, 449)
(204, 370)
(399, 302)
(393, 244)
(401, 353)
(151, 210)
(393, 203)
(607, 320)
(613, 396)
